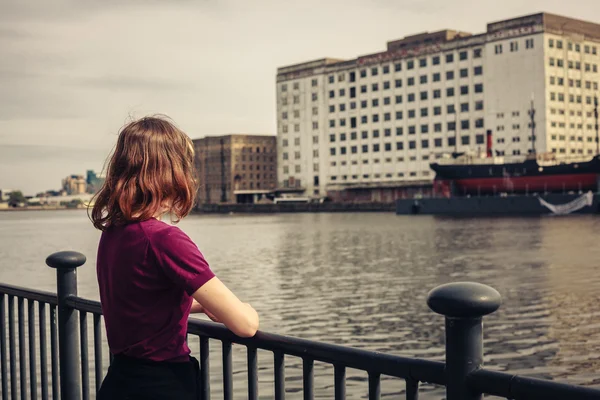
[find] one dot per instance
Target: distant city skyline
(73, 73)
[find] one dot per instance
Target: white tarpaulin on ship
(567, 208)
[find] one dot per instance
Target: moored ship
(469, 174)
(488, 184)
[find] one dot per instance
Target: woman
(150, 274)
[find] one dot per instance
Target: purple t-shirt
(147, 272)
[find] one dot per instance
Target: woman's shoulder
(161, 232)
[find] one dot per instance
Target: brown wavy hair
(151, 172)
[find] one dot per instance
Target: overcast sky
(72, 72)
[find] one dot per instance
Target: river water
(362, 279)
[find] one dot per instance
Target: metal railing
(462, 304)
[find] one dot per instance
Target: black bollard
(463, 304)
(65, 263)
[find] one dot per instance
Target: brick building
(236, 168)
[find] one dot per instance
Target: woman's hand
(211, 316)
(196, 307)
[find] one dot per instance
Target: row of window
(257, 176)
(513, 114)
(252, 167)
(559, 62)
(579, 113)
(514, 46)
(285, 143)
(572, 138)
(411, 130)
(515, 152)
(515, 127)
(398, 66)
(572, 98)
(286, 169)
(437, 93)
(572, 46)
(387, 160)
(254, 158)
(251, 185)
(285, 155)
(437, 110)
(377, 176)
(297, 169)
(398, 83)
(399, 115)
(411, 145)
(515, 139)
(449, 92)
(411, 97)
(295, 183)
(572, 125)
(257, 149)
(573, 151)
(576, 83)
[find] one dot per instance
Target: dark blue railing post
(65, 263)
(463, 304)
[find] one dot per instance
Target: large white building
(377, 121)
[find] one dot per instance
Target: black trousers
(134, 379)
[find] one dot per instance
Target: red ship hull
(516, 178)
(521, 184)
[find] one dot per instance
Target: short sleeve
(181, 259)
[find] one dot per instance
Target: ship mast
(532, 116)
(596, 118)
(455, 131)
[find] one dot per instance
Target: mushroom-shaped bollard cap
(65, 260)
(464, 300)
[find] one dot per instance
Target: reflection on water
(362, 280)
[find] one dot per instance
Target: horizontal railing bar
(29, 294)
(385, 364)
(81, 304)
(519, 387)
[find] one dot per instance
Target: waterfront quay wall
(492, 205)
(294, 208)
